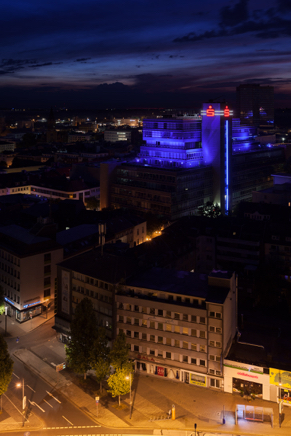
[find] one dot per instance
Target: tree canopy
(99, 356)
(120, 352)
(83, 334)
(6, 366)
(119, 383)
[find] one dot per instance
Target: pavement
(152, 398)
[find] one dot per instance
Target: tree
(119, 382)
(6, 366)
(120, 351)
(2, 301)
(99, 356)
(210, 210)
(83, 335)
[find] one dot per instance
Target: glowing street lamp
(19, 385)
(130, 404)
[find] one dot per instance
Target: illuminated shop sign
(25, 306)
(211, 112)
(280, 378)
(9, 301)
(245, 374)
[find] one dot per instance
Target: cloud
(231, 16)
(82, 60)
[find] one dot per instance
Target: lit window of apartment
(168, 327)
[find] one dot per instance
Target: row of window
(167, 313)
(10, 258)
(170, 341)
(93, 294)
(163, 327)
(96, 307)
(10, 282)
(90, 281)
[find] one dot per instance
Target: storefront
(246, 380)
(281, 381)
(150, 365)
(29, 311)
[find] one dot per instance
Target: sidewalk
(152, 397)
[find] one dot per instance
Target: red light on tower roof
(210, 111)
(226, 111)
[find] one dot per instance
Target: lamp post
(19, 385)
(130, 404)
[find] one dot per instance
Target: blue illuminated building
(187, 161)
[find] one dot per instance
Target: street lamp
(19, 385)
(130, 404)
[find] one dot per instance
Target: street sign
(97, 399)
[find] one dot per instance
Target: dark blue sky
(98, 53)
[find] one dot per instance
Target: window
(218, 330)
(187, 301)
(185, 345)
(177, 329)
(217, 358)
(160, 312)
(193, 361)
(136, 321)
(168, 314)
(194, 347)
(211, 357)
(185, 317)
(179, 299)
(202, 349)
(136, 308)
(128, 320)
(160, 339)
(136, 335)
(170, 297)
(202, 334)
(152, 324)
(185, 331)
(152, 311)
(152, 338)
(47, 282)
(211, 328)
(47, 269)
(202, 362)
(47, 257)
(185, 359)
(202, 320)
(152, 352)
(177, 343)
(120, 318)
(160, 326)
(144, 323)
(193, 332)
(168, 341)
(176, 315)
(46, 293)
(128, 333)
(212, 343)
(168, 327)
(136, 348)
(218, 344)
(168, 355)
(193, 318)
(144, 310)
(144, 336)
(214, 383)
(218, 315)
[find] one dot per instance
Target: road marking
(74, 426)
(15, 375)
(30, 388)
(34, 404)
(53, 397)
(48, 403)
(68, 420)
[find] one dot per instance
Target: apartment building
(28, 271)
(179, 325)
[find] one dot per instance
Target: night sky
(151, 53)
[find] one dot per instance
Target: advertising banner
(280, 378)
(198, 380)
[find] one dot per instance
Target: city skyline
(132, 54)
